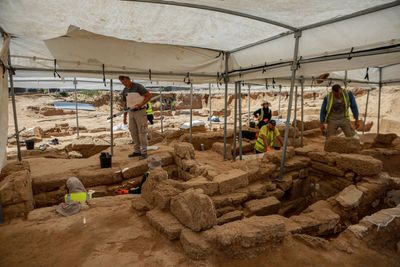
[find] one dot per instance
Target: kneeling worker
(267, 137)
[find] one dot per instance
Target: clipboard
(133, 99)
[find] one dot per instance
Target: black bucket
(105, 160)
(30, 144)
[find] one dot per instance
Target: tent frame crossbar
(321, 23)
(218, 9)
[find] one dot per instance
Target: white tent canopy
(165, 40)
(202, 41)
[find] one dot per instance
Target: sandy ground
(115, 235)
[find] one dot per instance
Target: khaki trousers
(344, 124)
(138, 129)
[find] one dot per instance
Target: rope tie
(55, 73)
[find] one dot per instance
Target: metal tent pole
(345, 79)
(366, 110)
(248, 104)
(161, 111)
(76, 108)
(112, 119)
(209, 102)
(292, 82)
(295, 117)
(14, 107)
(240, 122)
(226, 79)
(279, 103)
(302, 111)
(379, 100)
(191, 112)
(235, 122)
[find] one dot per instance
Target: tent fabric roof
(169, 40)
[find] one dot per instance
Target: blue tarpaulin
(71, 105)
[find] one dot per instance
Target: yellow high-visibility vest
(149, 110)
(270, 136)
(346, 98)
(78, 197)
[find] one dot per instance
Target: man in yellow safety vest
(335, 112)
(267, 137)
(149, 112)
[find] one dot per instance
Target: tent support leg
(76, 108)
(295, 117)
(235, 122)
(379, 100)
(248, 105)
(112, 119)
(191, 112)
(292, 82)
(279, 103)
(226, 79)
(366, 110)
(161, 111)
(209, 102)
(240, 122)
(14, 107)
(302, 111)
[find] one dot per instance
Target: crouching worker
(77, 195)
(267, 138)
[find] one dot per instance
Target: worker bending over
(335, 112)
(267, 137)
(263, 115)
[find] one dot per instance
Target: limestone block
(209, 188)
(297, 163)
(275, 156)
(286, 182)
(327, 169)
(230, 217)
(165, 223)
(195, 245)
(187, 164)
(184, 150)
(231, 180)
(229, 199)
(262, 207)
(384, 140)
(323, 157)
(393, 198)
(278, 193)
(342, 144)
(224, 210)
(257, 190)
(319, 222)
(17, 210)
(16, 188)
(219, 148)
(248, 237)
(194, 209)
(140, 204)
(350, 197)
(303, 151)
(163, 194)
(360, 164)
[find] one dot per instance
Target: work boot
(134, 154)
(143, 156)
